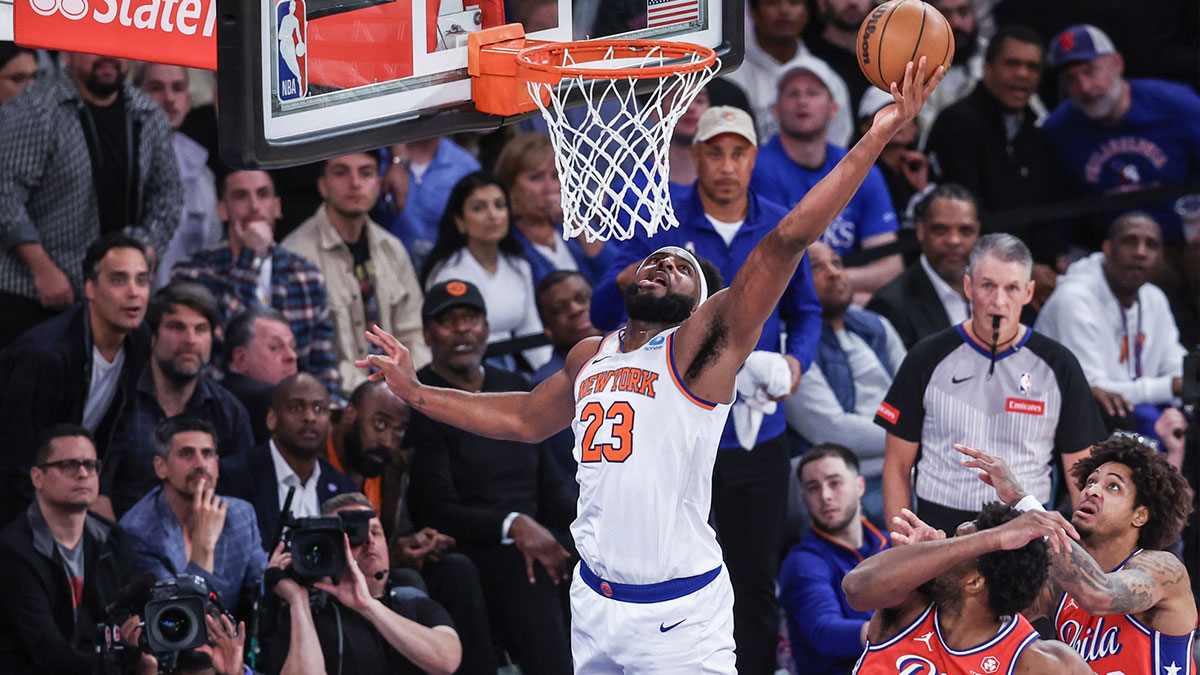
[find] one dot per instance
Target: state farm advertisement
(182, 32)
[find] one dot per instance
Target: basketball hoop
(612, 154)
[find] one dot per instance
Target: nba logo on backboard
(1025, 383)
(291, 40)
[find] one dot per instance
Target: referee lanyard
(1136, 346)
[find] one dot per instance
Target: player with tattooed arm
(1116, 596)
(952, 606)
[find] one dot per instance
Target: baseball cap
(725, 119)
(873, 100)
(453, 293)
(806, 63)
(1082, 42)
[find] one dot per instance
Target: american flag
(668, 12)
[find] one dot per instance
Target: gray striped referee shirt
(46, 184)
(1035, 407)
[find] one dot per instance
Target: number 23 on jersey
(595, 416)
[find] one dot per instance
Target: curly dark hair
(1014, 578)
(1160, 487)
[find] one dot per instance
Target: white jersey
(645, 449)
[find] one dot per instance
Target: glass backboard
(301, 80)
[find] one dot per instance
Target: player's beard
(946, 590)
(670, 309)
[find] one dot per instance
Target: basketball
(899, 31)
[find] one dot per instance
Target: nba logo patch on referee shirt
(1025, 383)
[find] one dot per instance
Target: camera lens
(317, 554)
(174, 624)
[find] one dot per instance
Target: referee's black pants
(749, 505)
(943, 518)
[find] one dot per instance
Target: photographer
(60, 566)
(383, 632)
(183, 527)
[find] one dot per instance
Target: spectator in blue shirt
(796, 159)
(722, 219)
(416, 188)
(183, 527)
(181, 318)
(1113, 134)
(826, 635)
(526, 169)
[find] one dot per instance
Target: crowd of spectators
(179, 340)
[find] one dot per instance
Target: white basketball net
(612, 153)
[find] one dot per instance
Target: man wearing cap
(798, 157)
(1115, 134)
(498, 499)
(773, 42)
(1009, 162)
(722, 219)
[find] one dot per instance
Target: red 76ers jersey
(919, 650)
(645, 448)
(1119, 644)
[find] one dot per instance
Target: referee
(988, 382)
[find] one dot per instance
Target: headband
(688, 256)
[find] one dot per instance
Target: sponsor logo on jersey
(888, 412)
(925, 640)
(656, 342)
(990, 664)
(635, 380)
(1091, 643)
(1024, 406)
(1024, 383)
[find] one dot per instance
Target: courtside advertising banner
(181, 32)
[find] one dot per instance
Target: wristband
(1028, 503)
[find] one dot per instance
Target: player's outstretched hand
(1030, 525)
(394, 365)
(907, 528)
(910, 96)
(993, 471)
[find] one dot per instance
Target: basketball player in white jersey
(647, 404)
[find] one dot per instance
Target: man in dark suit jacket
(928, 296)
(294, 457)
(79, 367)
(498, 499)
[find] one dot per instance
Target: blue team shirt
(799, 311)
(417, 224)
(1157, 142)
(869, 212)
(823, 628)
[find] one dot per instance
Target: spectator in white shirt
(1119, 325)
(857, 356)
(773, 43)
(476, 244)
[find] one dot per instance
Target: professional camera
(174, 615)
(316, 543)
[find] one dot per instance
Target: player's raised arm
(760, 282)
(887, 578)
(528, 417)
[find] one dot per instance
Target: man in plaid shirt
(251, 270)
